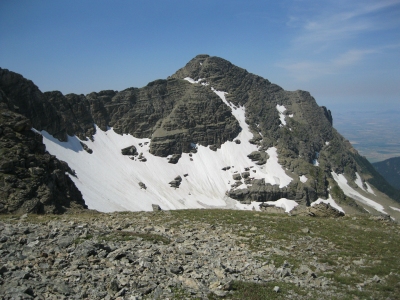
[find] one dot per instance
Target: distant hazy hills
(390, 170)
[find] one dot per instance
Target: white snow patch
(291, 116)
(369, 189)
(349, 191)
(281, 109)
(328, 201)
(275, 174)
(303, 178)
(394, 208)
(253, 206)
(286, 204)
(192, 80)
(358, 181)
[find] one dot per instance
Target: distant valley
(375, 134)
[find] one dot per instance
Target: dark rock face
(173, 113)
(261, 192)
(31, 180)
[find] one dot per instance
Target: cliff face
(199, 105)
(31, 180)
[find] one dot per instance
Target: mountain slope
(211, 135)
(390, 170)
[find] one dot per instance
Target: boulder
(236, 177)
(174, 158)
(176, 182)
(86, 148)
(156, 207)
(131, 150)
(260, 157)
(245, 174)
(325, 210)
(213, 147)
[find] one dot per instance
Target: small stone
(376, 279)
(156, 207)
(305, 230)
(276, 289)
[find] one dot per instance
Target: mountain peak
(212, 135)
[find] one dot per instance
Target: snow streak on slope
(369, 189)
(281, 109)
(349, 191)
(358, 181)
(394, 208)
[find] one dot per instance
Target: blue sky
(346, 53)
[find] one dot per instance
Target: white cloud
(329, 35)
(340, 22)
(306, 70)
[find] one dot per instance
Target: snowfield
(109, 181)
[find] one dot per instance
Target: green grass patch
(128, 236)
(262, 291)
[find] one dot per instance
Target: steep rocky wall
(174, 113)
(31, 180)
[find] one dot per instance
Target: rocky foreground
(203, 254)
